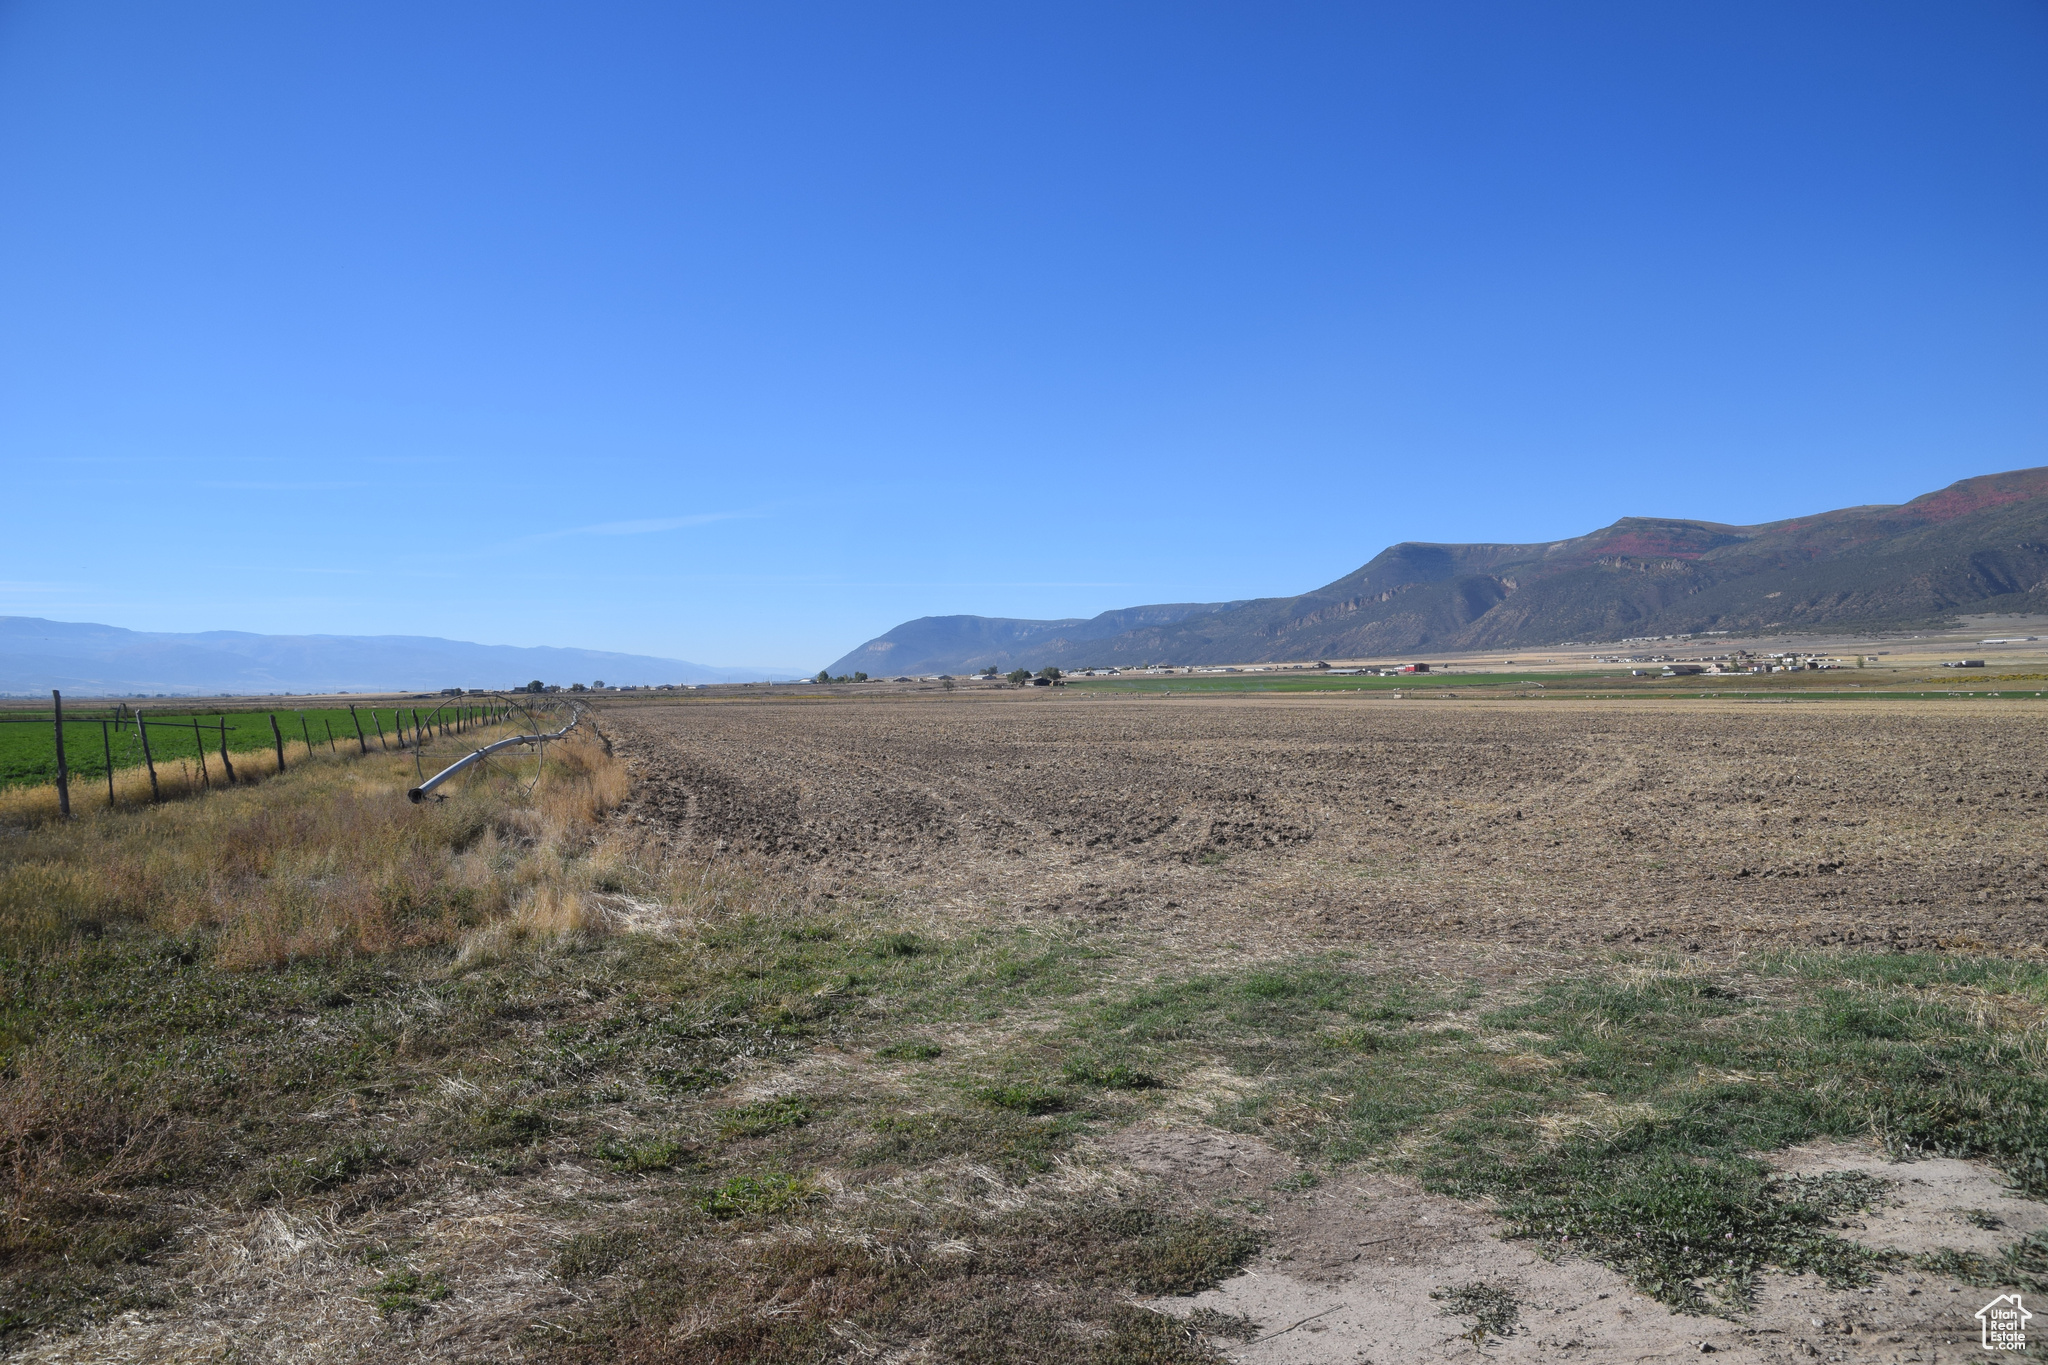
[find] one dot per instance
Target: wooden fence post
(330, 735)
(225, 761)
(63, 776)
(277, 735)
(306, 734)
(205, 777)
(107, 749)
(380, 730)
(415, 727)
(361, 743)
(148, 759)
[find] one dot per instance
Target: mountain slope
(967, 644)
(80, 657)
(1979, 545)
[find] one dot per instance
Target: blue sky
(741, 333)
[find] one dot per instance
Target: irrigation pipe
(419, 793)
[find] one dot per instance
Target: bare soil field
(1030, 1029)
(1695, 827)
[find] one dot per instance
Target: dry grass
(66, 1142)
(327, 858)
(155, 914)
(176, 778)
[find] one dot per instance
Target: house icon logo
(2004, 1321)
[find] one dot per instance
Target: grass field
(28, 751)
(802, 1033)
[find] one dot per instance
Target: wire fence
(47, 747)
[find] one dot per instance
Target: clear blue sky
(741, 333)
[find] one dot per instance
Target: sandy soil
(1351, 1267)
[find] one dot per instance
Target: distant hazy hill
(1978, 546)
(37, 655)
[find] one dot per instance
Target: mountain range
(95, 660)
(1980, 545)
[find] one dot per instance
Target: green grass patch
(911, 1050)
(407, 1293)
(2022, 1266)
(746, 1196)
(1022, 1097)
(661, 1154)
(760, 1120)
(1108, 1074)
(1616, 1112)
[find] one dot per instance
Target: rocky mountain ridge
(1979, 545)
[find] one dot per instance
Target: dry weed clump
(327, 858)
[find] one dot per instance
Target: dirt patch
(1933, 1205)
(1373, 1269)
(1201, 1162)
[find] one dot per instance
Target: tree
(578, 687)
(1020, 675)
(946, 683)
(1051, 673)
(597, 686)
(536, 686)
(860, 677)
(823, 677)
(989, 672)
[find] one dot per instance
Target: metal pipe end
(415, 795)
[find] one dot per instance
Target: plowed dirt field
(1679, 825)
